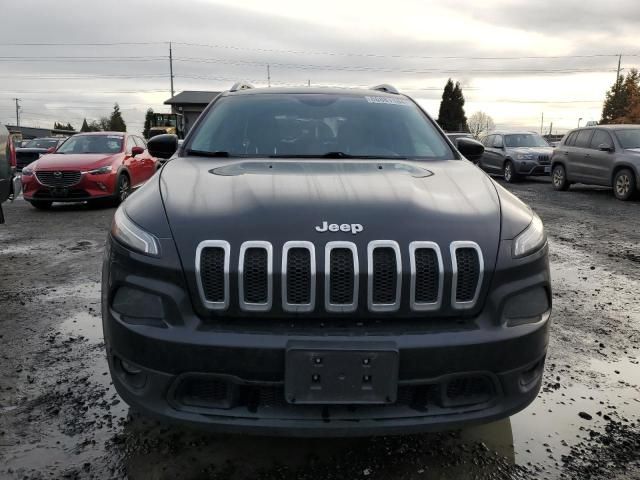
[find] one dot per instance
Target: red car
(89, 167)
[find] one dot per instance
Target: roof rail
(241, 86)
(385, 87)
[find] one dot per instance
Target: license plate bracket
(341, 375)
(60, 192)
(547, 169)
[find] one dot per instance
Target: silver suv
(607, 155)
(515, 155)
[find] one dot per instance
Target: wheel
(508, 172)
(123, 188)
(559, 178)
(624, 184)
(41, 204)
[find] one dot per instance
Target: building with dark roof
(33, 132)
(190, 105)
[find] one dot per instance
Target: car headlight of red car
(101, 170)
(27, 172)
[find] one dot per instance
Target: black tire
(559, 178)
(123, 188)
(509, 173)
(41, 204)
(624, 184)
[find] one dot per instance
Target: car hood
(633, 150)
(533, 150)
(87, 161)
(279, 201)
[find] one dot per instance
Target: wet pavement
(61, 418)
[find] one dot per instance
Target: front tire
(509, 173)
(123, 188)
(624, 184)
(41, 204)
(559, 178)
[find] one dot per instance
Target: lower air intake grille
(255, 275)
(299, 276)
(385, 275)
(212, 273)
(468, 265)
(342, 277)
(427, 275)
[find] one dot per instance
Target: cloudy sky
(516, 59)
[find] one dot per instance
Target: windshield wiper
(203, 153)
(342, 155)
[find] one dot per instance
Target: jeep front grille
(59, 179)
(298, 283)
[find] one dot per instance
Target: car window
(583, 137)
(92, 144)
(600, 137)
(41, 143)
(516, 140)
(629, 137)
(571, 139)
(141, 143)
(497, 141)
(488, 141)
(313, 125)
(130, 143)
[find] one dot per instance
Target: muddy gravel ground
(61, 418)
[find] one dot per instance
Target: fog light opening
(129, 369)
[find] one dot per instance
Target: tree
(480, 124)
(451, 116)
(148, 123)
(62, 126)
(623, 100)
(85, 126)
(116, 122)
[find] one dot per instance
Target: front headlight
(524, 156)
(27, 172)
(531, 239)
(100, 171)
(134, 237)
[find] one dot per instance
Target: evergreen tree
(451, 116)
(116, 122)
(62, 126)
(615, 102)
(148, 120)
(85, 126)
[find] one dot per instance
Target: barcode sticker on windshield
(388, 100)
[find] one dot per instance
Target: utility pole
(268, 75)
(17, 111)
(618, 72)
(309, 83)
(171, 68)
(542, 123)
(551, 129)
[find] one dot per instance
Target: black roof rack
(240, 86)
(386, 88)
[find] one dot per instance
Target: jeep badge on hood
(354, 228)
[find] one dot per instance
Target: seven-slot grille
(59, 179)
(341, 276)
(544, 159)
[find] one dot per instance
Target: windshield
(316, 125)
(92, 144)
(525, 140)
(629, 137)
(41, 143)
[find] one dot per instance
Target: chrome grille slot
(298, 277)
(59, 179)
(427, 276)
(385, 276)
(341, 277)
(468, 270)
(212, 273)
(255, 276)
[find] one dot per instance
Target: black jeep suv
(324, 262)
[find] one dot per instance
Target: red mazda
(89, 167)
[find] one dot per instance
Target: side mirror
(163, 146)
(51, 149)
(470, 148)
(136, 151)
(605, 147)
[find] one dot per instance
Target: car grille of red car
(59, 179)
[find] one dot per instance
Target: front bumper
(533, 168)
(230, 379)
(90, 187)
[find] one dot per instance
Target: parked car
(323, 262)
(89, 167)
(34, 149)
(5, 168)
(515, 155)
(607, 155)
